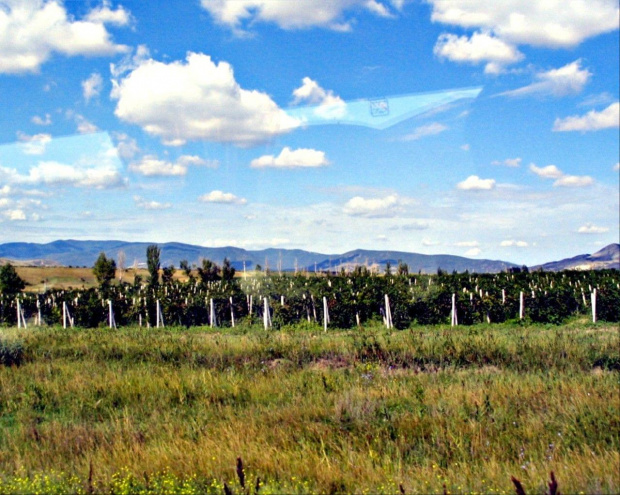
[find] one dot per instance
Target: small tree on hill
(11, 283)
(104, 270)
(152, 262)
(228, 272)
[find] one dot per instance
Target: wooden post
(266, 315)
(64, 314)
(454, 321)
(325, 314)
(232, 312)
(521, 305)
(593, 299)
(111, 320)
(388, 312)
(212, 318)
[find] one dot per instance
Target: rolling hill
(84, 253)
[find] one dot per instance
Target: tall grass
(309, 411)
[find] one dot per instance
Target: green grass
(171, 410)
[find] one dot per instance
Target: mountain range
(84, 253)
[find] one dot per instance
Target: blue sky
(471, 127)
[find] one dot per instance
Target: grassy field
(365, 411)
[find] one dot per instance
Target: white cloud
(47, 120)
(222, 198)
(299, 158)
(126, 147)
(34, 145)
(570, 79)
(467, 244)
(32, 30)
(513, 243)
(429, 242)
(598, 99)
(431, 129)
(105, 15)
(592, 229)
(151, 166)
(481, 47)
(300, 14)
(373, 207)
(330, 106)
(552, 24)
(84, 126)
(561, 179)
(616, 167)
(15, 215)
(465, 147)
(548, 172)
(150, 205)
(55, 173)
(574, 181)
(416, 225)
(592, 121)
(508, 162)
(91, 87)
(475, 183)
(197, 100)
(473, 252)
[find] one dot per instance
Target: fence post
(454, 321)
(521, 305)
(593, 299)
(325, 314)
(212, 317)
(111, 320)
(266, 315)
(388, 313)
(232, 312)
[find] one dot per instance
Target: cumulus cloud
(91, 87)
(32, 30)
(126, 146)
(590, 228)
(105, 15)
(473, 252)
(299, 158)
(574, 181)
(84, 126)
(531, 22)
(301, 14)
(479, 48)
(561, 179)
(548, 172)
(592, 121)
(388, 206)
(513, 243)
(570, 79)
(197, 100)
(150, 205)
(151, 166)
(467, 244)
(475, 183)
(429, 242)
(329, 105)
(222, 198)
(33, 145)
(55, 173)
(46, 120)
(431, 129)
(508, 162)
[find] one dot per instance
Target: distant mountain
(608, 257)
(84, 253)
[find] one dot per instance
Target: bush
(11, 353)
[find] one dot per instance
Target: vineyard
(343, 300)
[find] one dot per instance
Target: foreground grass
(353, 411)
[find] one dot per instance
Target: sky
(476, 128)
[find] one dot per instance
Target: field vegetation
(366, 410)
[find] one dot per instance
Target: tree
(104, 270)
(152, 264)
(228, 272)
(167, 274)
(403, 269)
(10, 282)
(121, 263)
(208, 272)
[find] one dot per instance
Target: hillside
(608, 257)
(84, 253)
